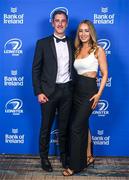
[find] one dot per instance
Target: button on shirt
(63, 72)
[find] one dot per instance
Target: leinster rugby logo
(102, 105)
(54, 137)
(58, 9)
(13, 46)
(105, 44)
(14, 106)
(102, 108)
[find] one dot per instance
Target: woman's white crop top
(87, 64)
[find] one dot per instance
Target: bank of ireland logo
(104, 9)
(13, 47)
(14, 72)
(105, 44)
(13, 9)
(104, 16)
(14, 137)
(108, 83)
(100, 139)
(14, 79)
(100, 132)
(13, 17)
(58, 9)
(102, 108)
(14, 106)
(54, 137)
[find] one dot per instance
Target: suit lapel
(53, 47)
(70, 53)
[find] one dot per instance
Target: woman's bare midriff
(92, 74)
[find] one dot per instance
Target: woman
(88, 56)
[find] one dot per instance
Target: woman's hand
(95, 99)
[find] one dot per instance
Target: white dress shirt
(63, 72)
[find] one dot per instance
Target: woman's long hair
(92, 42)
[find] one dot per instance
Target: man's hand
(42, 98)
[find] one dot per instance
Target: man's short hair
(59, 12)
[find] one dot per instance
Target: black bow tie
(59, 40)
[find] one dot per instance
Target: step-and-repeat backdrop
(22, 22)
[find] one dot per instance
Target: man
(52, 82)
